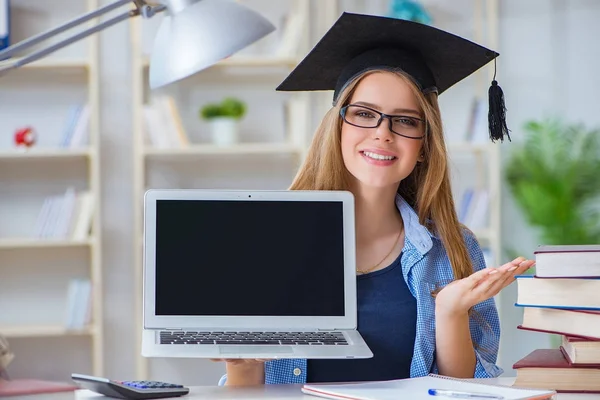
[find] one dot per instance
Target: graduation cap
(435, 59)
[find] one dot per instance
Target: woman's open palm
(462, 294)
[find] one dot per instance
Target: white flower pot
(224, 131)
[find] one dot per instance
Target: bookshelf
(273, 135)
(39, 260)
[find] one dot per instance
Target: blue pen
(463, 395)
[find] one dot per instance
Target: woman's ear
(421, 157)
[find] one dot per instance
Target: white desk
(280, 392)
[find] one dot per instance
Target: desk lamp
(193, 35)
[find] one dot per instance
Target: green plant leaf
(554, 178)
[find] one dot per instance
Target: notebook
(418, 389)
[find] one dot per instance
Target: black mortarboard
(434, 58)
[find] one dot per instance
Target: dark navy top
(387, 320)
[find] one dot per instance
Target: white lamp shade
(200, 35)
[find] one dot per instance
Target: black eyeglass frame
(382, 116)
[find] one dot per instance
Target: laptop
(250, 274)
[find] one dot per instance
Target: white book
(71, 308)
(4, 24)
(292, 29)
(82, 223)
(65, 214)
(155, 128)
(81, 129)
(477, 216)
(558, 261)
(38, 230)
(419, 389)
(49, 230)
(70, 124)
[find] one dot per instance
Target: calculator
(129, 389)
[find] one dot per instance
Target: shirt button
(297, 371)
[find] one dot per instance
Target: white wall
(548, 66)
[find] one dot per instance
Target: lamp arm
(141, 8)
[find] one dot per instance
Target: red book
(549, 369)
(20, 387)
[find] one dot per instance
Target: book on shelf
(474, 208)
(79, 304)
(549, 368)
(77, 126)
(477, 124)
(291, 30)
(163, 126)
(419, 388)
(4, 24)
(567, 261)
(66, 216)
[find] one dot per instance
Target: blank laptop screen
(249, 258)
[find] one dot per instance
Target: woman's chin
(378, 183)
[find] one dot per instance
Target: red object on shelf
(25, 137)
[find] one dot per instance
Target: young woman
(425, 296)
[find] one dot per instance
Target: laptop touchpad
(237, 349)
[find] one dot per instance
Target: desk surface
(283, 392)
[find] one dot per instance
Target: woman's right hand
(244, 371)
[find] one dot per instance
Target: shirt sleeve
(484, 321)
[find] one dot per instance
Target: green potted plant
(224, 119)
(554, 177)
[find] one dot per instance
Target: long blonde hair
(427, 189)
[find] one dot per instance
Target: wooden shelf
(249, 62)
(50, 63)
(209, 149)
(42, 153)
(26, 331)
(33, 243)
(485, 234)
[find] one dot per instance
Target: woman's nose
(383, 131)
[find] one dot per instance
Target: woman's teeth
(376, 156)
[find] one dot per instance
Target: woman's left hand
(460, 295)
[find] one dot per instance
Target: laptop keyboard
(273, 338)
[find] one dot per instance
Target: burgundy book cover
(19, 387)
(581, 338)
(590, 248)
(551, 358)
(571, 338)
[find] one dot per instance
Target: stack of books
(562, 298)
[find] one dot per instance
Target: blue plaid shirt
(426, 267)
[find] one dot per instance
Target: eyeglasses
(365, 117)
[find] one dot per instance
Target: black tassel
(497, 112)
